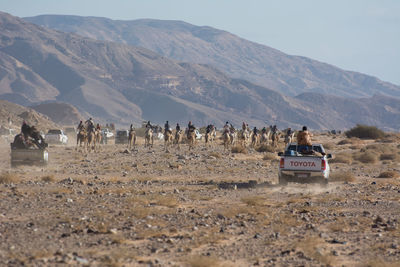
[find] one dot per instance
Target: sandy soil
(207, 207)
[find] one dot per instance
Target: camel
(167, 139)
(191, 136)
(90, 140)
(97, 139)
(254, 139)
(226, 137)
(275, 139)
(132, 138)
(178, 138)
(289, 138)
(244, 137)
(81, 138)
(265, 137)
(148, 136)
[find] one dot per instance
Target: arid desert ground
(206, 207)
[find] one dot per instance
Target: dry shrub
(48, 178)
(389, 156)
(215, 154)
(253, 200)
(342, 177)
(8, 178)
(269, 156)
(342, 158)
(389, 174)
(203, 261)
(265, 148)
(239, 149)
(311, 248)
(365, 132)
(367, 157)
(379, 148)
(329, 146)
(349, 141)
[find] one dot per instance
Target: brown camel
(191, 136)
(81, 138)
(148, 136)
(167, 139)
(132, 138)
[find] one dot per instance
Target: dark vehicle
(122, 137)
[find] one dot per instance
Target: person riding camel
(255, 130)
(191, 127)
(264, 130)
(167, 128)
(131, 127)
(226, 127)
(148, 125)
(98, 127)
(244, 127)
(274, 129)
(80, 126)
(304, 140)
(177, 128)
(289, 132)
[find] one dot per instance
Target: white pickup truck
(56, 136)
(298, 164)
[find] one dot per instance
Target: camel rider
(208, 129)
(148, 125)
(255, 131)
(289, 132)
(244, 127)
(177, 128)
(80, 126)
(226, 127)
(191, 127)
(264, 130)
(304, 139)
(131, 127)
(98, 127)
(167, 128)
(274, 129)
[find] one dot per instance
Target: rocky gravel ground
(206, 207)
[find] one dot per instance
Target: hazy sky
(359, 35)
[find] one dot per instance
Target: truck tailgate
(302, 163)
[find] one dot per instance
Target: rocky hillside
(18, 114)
(239, 58)
(62, 113)
(125, 84)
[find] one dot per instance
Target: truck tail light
(282, 163)
(323, 165)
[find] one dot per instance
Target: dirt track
(201, 208)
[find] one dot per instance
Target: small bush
(390, 156)
(48, 178)
(367, 157)
(329, 146)
(350, 141)
(270, 156)
(342, 158)
(365, 132)
(239, 149)
(215, 154)
(264, 148)
(389, 174)
(8, 178)
(342, 177)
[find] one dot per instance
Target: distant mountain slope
(18, 114)
(62, 113)
(239, 58)
(125, 84)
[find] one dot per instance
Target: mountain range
(122, 83)
(237, 57)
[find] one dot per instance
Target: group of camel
(88, 139)
(230, 137)
(245, 137)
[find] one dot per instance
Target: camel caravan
(89, 136)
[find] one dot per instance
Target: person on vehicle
(304, 140)
(167, 128)
(25, 130)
